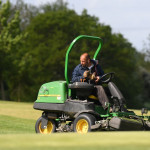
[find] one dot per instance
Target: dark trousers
(102, 97)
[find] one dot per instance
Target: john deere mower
(69, 107)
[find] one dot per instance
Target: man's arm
(100, 73)
(76, 75)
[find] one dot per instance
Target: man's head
(85, 60)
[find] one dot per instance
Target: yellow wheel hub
(48, 130)
(82, 126)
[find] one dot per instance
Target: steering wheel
(107, 77)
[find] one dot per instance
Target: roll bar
(72, 45)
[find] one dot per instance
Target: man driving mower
(89, 69)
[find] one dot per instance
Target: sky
(128, 17)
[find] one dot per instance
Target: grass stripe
(99, 140)
(17, 121)
(15, 125)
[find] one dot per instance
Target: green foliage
(144, 72)
(10, 41)
(27, 12)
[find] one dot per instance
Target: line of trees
(33, 44)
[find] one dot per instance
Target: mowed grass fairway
(17, 121)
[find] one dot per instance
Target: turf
(19, 110)
(13, 125)
(17, 121)
(90, 141)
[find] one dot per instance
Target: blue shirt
(79, 70)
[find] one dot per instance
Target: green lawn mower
(69, 107)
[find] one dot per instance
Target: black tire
(83, 123)
(51, 126)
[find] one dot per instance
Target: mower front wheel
(51, 126)
(83, 123)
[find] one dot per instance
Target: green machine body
(53, 92)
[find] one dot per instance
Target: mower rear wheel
(51, 126)
(83, 123)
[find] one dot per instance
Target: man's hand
(90, 76)
(97, 79)
(93, 76)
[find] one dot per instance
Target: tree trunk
(2, 90)
(18, 92)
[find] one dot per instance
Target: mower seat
(82, 89)
(117, 96)
(115, 92)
